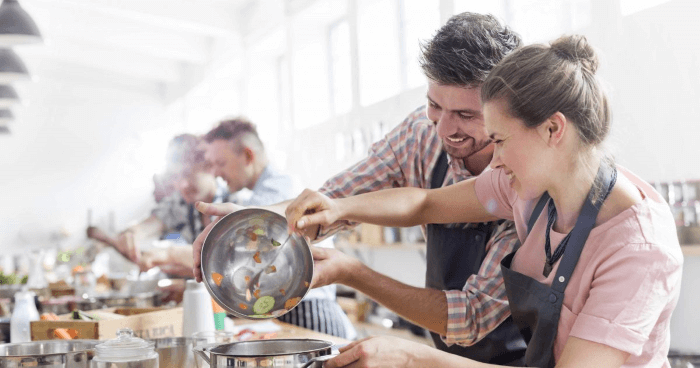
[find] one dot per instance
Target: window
(378, 48)
(496, 8)
(341, 71)
(421, 19)
(310, 86)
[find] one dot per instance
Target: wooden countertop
(290, 331)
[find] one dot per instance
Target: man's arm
(128, 240)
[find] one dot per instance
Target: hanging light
(16, 26)
(12, 68)
(8, 96)
(6, 116)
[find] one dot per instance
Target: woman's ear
(553, 129)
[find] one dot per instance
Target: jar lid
(125, 346)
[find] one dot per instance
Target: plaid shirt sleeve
(481, 305)
(400, 159)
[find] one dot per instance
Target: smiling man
(439, 144)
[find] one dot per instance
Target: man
(237, 155)
(439, 144)
(174, 216)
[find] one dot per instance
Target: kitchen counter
(289, 331)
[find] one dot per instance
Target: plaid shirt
(406, 157)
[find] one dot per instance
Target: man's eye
(466, 117)
(497, 141)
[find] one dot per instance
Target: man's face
(228, 164)
(195, 184)
(456, 113)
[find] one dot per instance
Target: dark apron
(454, 254)
(536, 307)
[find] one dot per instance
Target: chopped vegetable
(284, 293)
(256, 257)
(292, 302)
(276, 243)
(217, 277)
(242, 306)
(256, 293)
(270, 269)
(259, 231)
(306, 283)
(253, 236)
(247, 278)
(264, 304)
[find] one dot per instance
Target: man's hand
(209, 209)
(383, 351)
(126, 245)
(332, 266)
(309, 210)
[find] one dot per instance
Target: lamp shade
(8, 96)
(12, 68)
(16, 26)
(6, 116)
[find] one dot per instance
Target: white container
(23, 313)
(198, 314)
(126, 351)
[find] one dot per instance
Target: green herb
(276, 243)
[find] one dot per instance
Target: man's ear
(249, 155)
(553, 129)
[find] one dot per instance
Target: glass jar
(126, 351)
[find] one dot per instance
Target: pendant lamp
(6, 116)
(16, 26)
(12, 68)
(8, 96)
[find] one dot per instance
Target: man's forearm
(424, 307)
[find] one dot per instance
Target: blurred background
(113, 81)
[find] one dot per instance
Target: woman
(598, 273)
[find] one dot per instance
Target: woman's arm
(583, 353)
(400, 207)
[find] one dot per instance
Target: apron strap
(439, 171)
(536, 212)
(580, 232)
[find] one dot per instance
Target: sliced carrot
(247, 278)
(256, 294)
(306, 283)
(242, 306)
(217, 277)
(256, 257)
(290, 303)
(284, 293)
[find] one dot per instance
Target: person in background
(175, 217)
(438, 145)
(598, 274)
(237, 155)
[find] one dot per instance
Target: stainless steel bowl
(287, 353)
(242, 243)
(48, 354)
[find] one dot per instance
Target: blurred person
(237, 155)
(439, 144)
(174, 217)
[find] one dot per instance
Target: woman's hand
(310, 209)
(382, 351)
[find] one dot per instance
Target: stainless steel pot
(287, 353)
(48, 354)
(175, 352)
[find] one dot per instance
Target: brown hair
(239, 130)
(539, 80)
(466, 48)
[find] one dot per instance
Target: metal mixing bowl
(232, 250)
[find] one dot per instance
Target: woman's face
(520, 151)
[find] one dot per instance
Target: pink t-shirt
(626, 282)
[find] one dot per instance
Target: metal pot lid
(125, 346)
(271, 347)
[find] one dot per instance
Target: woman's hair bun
(576, 48)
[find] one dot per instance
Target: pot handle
(200, 351)
(322, 358)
